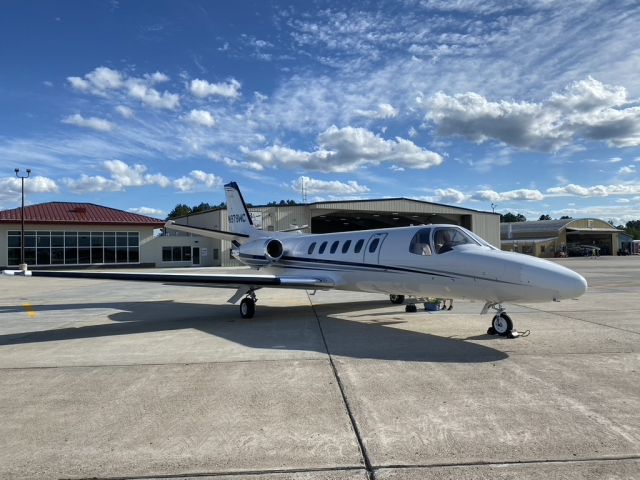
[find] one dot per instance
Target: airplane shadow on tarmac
(282, 328)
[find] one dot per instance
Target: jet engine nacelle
(260, 252)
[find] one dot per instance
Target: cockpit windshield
(446, 238)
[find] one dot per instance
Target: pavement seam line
(354, 424)
(509, 463)
(184, 364)
(568, 315)
(233, 473)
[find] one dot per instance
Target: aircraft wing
(202, 279)
(206, 232)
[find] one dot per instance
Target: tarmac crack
(354, 424)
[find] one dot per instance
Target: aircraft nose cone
(556, 281)
(574, 285)
(566, 283)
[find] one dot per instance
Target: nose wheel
(501, 324)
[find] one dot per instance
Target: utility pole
(23, 265)
(304, 193)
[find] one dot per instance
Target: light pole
(493, 207)
(23, 265)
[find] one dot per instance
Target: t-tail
(241, 229)
(238, 215)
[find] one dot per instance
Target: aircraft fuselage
(382, 261)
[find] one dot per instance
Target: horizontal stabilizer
(206, 232)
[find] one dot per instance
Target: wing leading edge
(245, 282)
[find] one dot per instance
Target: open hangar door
(578, 241)
(345, 221)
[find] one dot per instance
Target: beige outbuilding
(556, 238)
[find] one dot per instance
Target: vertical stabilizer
(237, 212)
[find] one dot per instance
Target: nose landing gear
(501, 324)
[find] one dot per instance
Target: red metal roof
(77, 213)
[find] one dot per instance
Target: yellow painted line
(29, 309)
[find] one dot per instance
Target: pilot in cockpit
(443, 241)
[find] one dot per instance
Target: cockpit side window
(445, 239)
(421, 243)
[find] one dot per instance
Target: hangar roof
(389, 204)
(77, 213)
(554, 227)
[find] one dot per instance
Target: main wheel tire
(502, 324)
(247, 308)
(411, 308)
(396, 299)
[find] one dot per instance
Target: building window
(177, 254)
(73, 248)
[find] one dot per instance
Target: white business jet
(445, 261)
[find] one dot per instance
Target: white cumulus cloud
(345, 150)
(202, 88)
(384, 110)
(154, 212)
(152, 97)
(201, 117)
(450, 195)
(197, 180)
(104, 81)
(313, 186)
(98, 81)
(11, 189)
(522, 194)
(125, 111)
(573, 190)
(587, 109)
(121, 176)
(94, 123)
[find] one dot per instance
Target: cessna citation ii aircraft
(445, 261)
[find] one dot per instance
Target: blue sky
(140, 105)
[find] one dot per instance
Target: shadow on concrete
(290, 328)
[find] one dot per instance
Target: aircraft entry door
(373, 247)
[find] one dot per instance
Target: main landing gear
(396, 299)
(248, 305)
(399, 300)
